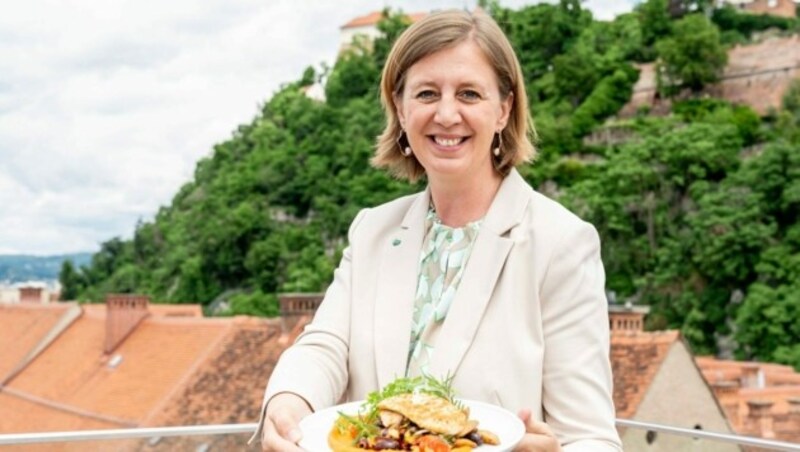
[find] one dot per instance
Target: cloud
(107, 105)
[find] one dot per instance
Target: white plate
(503, 423)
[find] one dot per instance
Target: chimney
(30, 294)
(794, 413)
(123, 314)
(295, 306)
(752, 376)
(794, 407)
(760, 417)
(726, 392)
(627, 317)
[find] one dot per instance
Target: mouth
(447, 141)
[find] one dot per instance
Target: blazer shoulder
(549, 215)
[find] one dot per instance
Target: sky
(107, 105)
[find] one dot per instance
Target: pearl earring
(402, 143)
(499, 140)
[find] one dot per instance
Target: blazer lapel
(396, 287)
(483, 269)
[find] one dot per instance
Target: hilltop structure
(365, 28)
(782, 8)
(757, 75)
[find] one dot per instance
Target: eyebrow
(466, 84)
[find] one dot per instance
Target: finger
(286, 427)
(536, 443)
(525, 415)
(274, 442)
(534, 426)
(539, 428)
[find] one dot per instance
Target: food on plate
(410, 414)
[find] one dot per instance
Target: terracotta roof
(154, 358)
(737, 383)
(374, 17)
(229, 386)
(171, 370)
(22, 327)
(635, 360)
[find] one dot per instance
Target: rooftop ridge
(68, 317)
(39, 306)
(67, 408)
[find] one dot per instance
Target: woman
(478, 276)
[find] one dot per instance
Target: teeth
(447, 141)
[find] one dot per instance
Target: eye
(470, 94)
(426, 94)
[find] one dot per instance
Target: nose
(447, 112)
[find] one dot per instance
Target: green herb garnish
(422, 384)
(364, 428)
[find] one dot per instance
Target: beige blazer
(528, 327)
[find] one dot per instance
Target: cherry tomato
(431, 443)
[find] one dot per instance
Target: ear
(505, 110)
(398, 108)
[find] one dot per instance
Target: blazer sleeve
(577, 381)
(315, 366)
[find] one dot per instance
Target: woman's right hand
(280, 432)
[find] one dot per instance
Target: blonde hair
(435, 32)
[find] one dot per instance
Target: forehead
(463, 63)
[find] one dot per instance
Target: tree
(354, 75)
(391, 26)
(540, 32)
(788, 123)
(767, 324)
(656, 24)
(70, 280)
(692, 57)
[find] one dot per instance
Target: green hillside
(699, 211)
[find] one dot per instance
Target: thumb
(532, 425)
(525, 415)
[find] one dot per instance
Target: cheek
(416, 117)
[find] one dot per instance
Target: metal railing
(712, 436)
(224, 429)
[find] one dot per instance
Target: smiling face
(451, 108)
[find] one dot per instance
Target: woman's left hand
(538, 436)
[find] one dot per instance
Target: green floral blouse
(445, 251)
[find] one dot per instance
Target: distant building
(757, 75)
(315, 91)
(782, 8)
(29, 293)
(656, 380)
(366, 28)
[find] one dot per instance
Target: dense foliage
(699, 211)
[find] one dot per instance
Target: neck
(458, 203)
